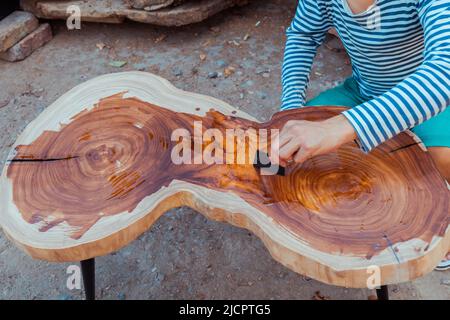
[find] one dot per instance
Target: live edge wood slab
(93, 172)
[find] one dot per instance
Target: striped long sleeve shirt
(400, 54)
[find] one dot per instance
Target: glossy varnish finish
(114, 155)
(107, 159)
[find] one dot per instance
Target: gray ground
(183, 255)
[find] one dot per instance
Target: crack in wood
(404, 147)
(41, 160)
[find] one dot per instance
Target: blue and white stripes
(402, 65)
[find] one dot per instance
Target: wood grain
(93, 172)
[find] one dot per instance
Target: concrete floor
(183, 256)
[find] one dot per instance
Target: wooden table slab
(93, 172)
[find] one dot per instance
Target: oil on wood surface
(94, 171)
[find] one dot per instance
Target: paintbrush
(262, 162)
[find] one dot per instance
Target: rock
(177, 72)
(262, 70)
(248, 84)
(29, 44)
(213, 75)
(160, 277)
(445, 282)
(15, 27)
(222, 63)
(100, 46)
(228, 71)
(117, 63)
(262, 95)
(116, 11)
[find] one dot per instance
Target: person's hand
(300, 140)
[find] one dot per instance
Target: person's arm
(301, 140)
(305, 34)
(419, 97)
(416, 99)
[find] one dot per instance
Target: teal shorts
(434, 132)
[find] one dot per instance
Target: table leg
(383, 293)
(88, 272)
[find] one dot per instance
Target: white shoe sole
(444, 265)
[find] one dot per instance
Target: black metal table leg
(88, 272)
(383, 293)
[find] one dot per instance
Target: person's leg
(441, 156)
(347, 95)
(435, 134)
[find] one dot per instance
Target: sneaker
(443, 265)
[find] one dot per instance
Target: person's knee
(441, 156)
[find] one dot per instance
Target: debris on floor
(117, 63)
(21, 35)
(445, 282)
(319, 296)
